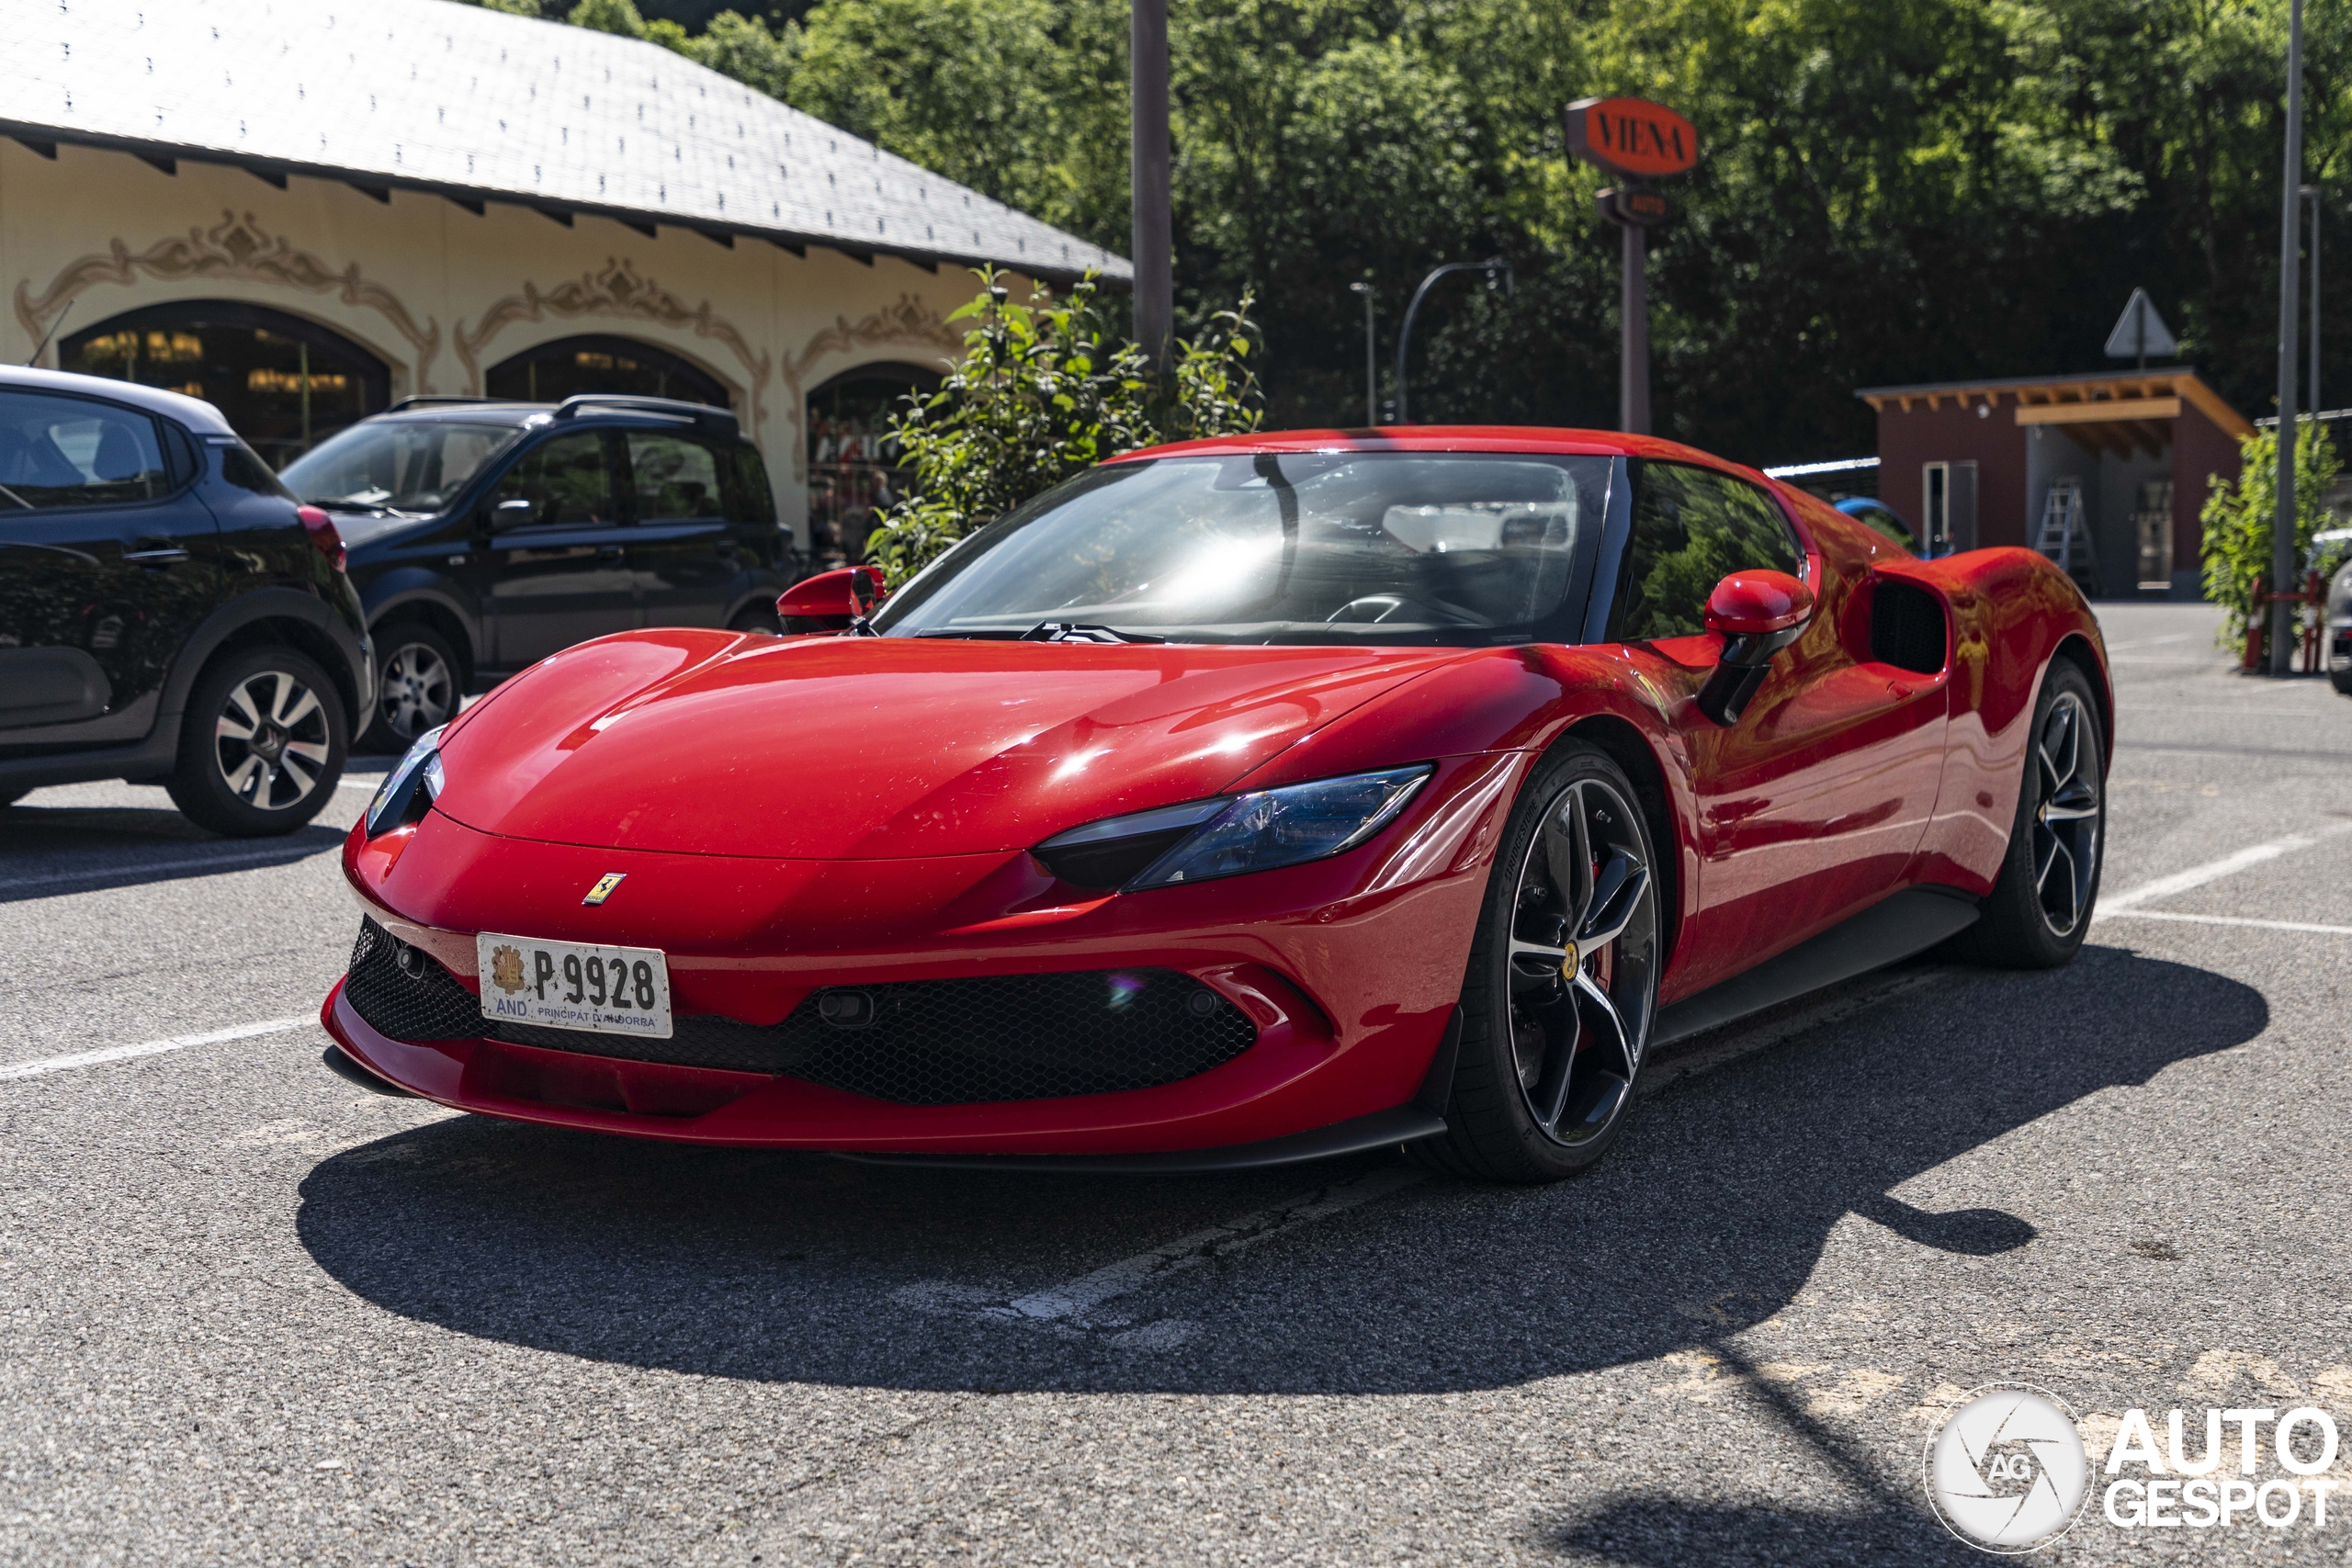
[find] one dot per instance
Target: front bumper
(1349, 969)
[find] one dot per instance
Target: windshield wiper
(1081, 631)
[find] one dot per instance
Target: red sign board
(1632, 136)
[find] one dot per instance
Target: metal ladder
(2066, 536)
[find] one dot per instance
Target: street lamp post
(2310, 193)
(1495, 268)
(1154, 225)
(2291, 267)
(1371, 377)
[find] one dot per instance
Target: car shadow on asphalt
(49, 850)
(1706, 1220)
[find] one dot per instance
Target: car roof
(194, 412)
(1499, 439)
(663, 413)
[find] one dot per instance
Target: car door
(107, 562)
(558, 570)
(682, 548)
(1811, 807)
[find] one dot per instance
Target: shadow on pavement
(49, 850)
(1706, 1220)
(1664, 1532)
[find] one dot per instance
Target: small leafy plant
(1046, 389)
(2238, 519)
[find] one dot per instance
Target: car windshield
(1281, 547)
(411, 465)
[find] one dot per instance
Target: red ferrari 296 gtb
(1242, 801)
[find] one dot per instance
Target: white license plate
(572, 985)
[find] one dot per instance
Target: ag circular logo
(2006, 1472)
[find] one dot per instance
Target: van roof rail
(718, 420)
(428, 398)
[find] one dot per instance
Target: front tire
(1563, 980)
(261, 746)
(2042, 905)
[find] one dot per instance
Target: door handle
(160, 553)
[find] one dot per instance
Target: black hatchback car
(485, 535)
(167, 611)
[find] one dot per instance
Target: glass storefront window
(854, 472)
(283, 383)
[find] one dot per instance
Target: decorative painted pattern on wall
(617, 290)
(236, 250)
(908, 323)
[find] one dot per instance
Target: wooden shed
(2130, 456)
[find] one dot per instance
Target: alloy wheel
(2067, 816)
(419, 690)
(1583, 957)
(271, 741)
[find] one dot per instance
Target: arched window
(853, 471)
(596, 363)
(283, 383)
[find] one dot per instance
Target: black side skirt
(1909, 922)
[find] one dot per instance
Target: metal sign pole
(1634, 351)
(2290, 267)
(1155, 266)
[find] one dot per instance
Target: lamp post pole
(2291, 267)
(1370, 376)
(1492, 267)
(2312, 192)
(1154, 226)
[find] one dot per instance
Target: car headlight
(1204, 839)
(410, 789)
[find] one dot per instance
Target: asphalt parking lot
(250, 1314)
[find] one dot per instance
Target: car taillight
(320, 527)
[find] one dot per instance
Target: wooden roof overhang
(2122, 412)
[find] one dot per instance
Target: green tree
(1046, 389)
(2240, 521)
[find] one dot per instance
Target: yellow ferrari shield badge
(604, 886)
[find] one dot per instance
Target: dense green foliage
(1893, 190)
(1046, 389)
(2239, 522)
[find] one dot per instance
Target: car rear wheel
(1562, 984)
(263, 744)
(2042, 905)
(418, 690)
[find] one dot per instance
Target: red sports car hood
(874, 748)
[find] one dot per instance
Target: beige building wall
(441, 294)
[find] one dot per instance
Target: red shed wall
(2201, 450)
(1955, 433)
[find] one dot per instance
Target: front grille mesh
(919, 1043)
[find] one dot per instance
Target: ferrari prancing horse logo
(507, 968)
(604, 886)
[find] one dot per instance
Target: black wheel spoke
(2067, 816)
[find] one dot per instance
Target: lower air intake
(922, 1042)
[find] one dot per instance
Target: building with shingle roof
(306, 209)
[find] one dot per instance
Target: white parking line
(45, 1064)
(1066, 1307)
(2213, 871)
(2232, 920)
(282, 854)
(1076, 1297)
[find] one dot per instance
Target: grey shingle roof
(428, 94)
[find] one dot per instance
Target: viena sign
(1633, 137)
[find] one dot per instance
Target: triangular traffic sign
(2139, 332)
